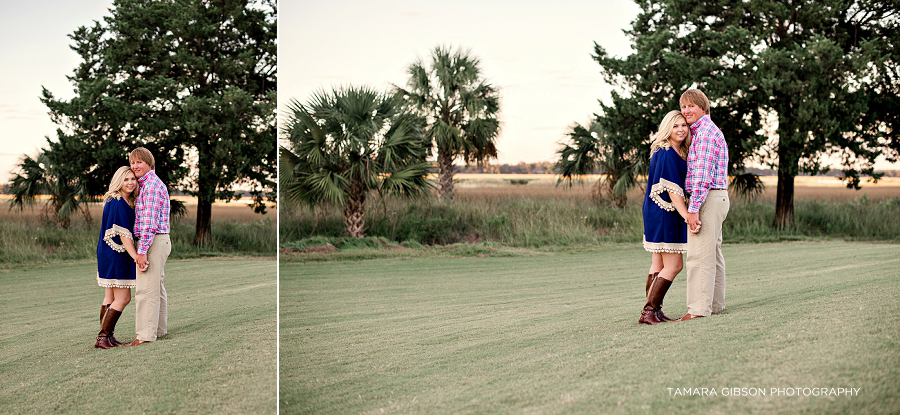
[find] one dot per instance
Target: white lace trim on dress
(665, 186)
(110, 283)
(665, 247)
(112, 232)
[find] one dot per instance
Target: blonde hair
(660, 140)
(115, 185)
(696, 97)
(144, 155)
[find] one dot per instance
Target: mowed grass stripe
(218, 357)
(559, 334)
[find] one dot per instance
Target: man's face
(139, 167)
(691, 112)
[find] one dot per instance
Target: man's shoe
(136, 342)
(689, 316)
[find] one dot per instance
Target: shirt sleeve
(149, 220)
(700, 170)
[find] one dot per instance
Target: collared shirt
(151, 210)
(707, 162)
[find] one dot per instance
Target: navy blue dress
(664, 229)
(115, 268)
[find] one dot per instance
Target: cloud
(15, 112)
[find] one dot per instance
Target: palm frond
(32, 180)
(410, 181)
(579, 156)
(747, 186)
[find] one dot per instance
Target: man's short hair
(144, 155)
(696, 97)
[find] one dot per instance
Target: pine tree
(810, 65)
(191, 80)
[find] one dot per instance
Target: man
(707, 184)
(151, 227)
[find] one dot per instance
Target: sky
(34, 49)
(538, 53)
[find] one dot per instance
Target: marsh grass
(26, 238)
(558, 334)
(219, 355)
(545, 215)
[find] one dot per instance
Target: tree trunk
(445, 175)
(207, 181)
(355, 210)
(203, 232)
(597, 191)
(60, 220)
(86, 211)
(618, 200)
(784, 201)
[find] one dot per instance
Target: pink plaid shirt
(707, 162)
(151, 210)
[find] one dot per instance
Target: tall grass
(547, 216)
(26, 238)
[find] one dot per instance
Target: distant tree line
(544, 167)
(547, 167)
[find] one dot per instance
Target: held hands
(141, 261)
(693, 222)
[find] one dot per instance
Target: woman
(116, 253)
(665, 231)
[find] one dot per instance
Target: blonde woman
(116, 253)
(664, 212)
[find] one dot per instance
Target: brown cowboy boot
(102, 336)
(106, 329)
(650, 278)
(649, 315)
(659, 314)
(112, 339)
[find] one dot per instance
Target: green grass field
(557, 333)
(218, 357)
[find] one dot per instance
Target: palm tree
(347, 143)
(40, 176)
(590, 150)
(460, 109)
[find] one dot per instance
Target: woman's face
(680, 131)
(129, 184)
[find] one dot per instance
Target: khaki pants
(150, 294)
(705, 263)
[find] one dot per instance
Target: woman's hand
(693, 222)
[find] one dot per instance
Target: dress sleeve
(118, 226)
(669, 181)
